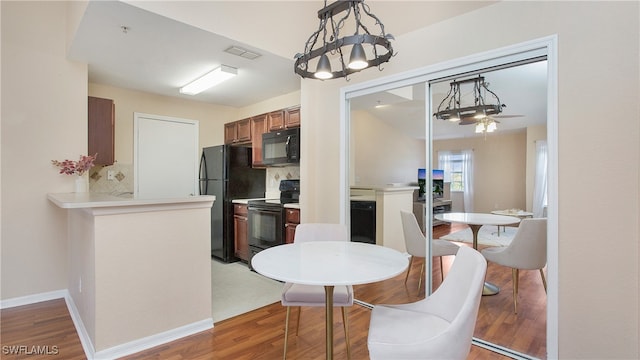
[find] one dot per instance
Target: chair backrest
(528, 249)
(321, 232)
(457, 300)
(414, 239)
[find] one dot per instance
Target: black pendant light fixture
(452, 107)
(329, 48)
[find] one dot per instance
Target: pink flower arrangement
(79, 167)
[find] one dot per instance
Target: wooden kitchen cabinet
(237, 132)
(276, 120)
(101, 130)
(284, 119)
(258, 127)
(292, 117)
(292, 219)
(241, 231)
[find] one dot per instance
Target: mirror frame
(546, 46)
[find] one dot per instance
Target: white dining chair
(416, 245)
(437, 327)
(310, 295)
(527, 251)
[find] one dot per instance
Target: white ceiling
(169, 43)
(523, 89)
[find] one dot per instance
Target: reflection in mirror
(388, 142)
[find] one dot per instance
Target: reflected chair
(437, 327)
(527, 251)
(311, 295)
(416, 245)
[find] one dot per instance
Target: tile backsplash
(275, 174)
(122, 179)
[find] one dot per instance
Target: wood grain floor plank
(259, 334)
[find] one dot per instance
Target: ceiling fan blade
(467, 122)
(506, 116)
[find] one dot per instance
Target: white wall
(44, 117)
(382, 155)
(598, 49)
(499, 169)
(211, 117)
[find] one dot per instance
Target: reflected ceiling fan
(481, 114)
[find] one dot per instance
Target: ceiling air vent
(238, 51)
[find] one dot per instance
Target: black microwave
(281, 147)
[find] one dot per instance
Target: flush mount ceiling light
(452, 108)
(210, 79)
(329, 49)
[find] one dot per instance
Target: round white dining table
(475, 222)
(329, 263)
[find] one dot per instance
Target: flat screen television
(422, 181)
(437, 185)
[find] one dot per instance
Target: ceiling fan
(475, 120)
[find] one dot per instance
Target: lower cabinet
(292, 219)
(241, 231)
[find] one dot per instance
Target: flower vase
(82, 184)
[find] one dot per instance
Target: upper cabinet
(248, 132)
(101, 113)
(292, 117)
(237, 132)
(284, 119)
(276, 120)
(258, 127)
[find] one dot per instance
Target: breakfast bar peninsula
(139, 270)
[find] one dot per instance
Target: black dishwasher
(363, 221)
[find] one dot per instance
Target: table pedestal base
(328, 293)
(490, 289)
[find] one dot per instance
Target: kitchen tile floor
(236, 290)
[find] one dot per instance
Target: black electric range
(266, 218)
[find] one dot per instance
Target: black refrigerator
(226, 172)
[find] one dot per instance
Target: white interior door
(165, 157)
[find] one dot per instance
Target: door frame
(546, 46)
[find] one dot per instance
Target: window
(456, 173)
(452, 165)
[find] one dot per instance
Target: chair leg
(298, 321)
(421, 274)
(514, 277)
(544, 281)
(408, 270)
(286, 332)
(346, 332)
(441, 271)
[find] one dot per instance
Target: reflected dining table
(475, 222)
(329, 264)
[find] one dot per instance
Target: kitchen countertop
(101, 200)
(387, 188)
(246, 201)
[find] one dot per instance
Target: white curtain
(467, 171)
(444, 163)
(540, 181)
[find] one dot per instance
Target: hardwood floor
(259, 334)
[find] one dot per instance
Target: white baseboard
(116, 351)
(153, 340)
(32, 299)
(85, 339)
